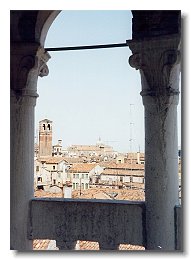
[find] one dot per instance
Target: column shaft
(161, 172)
(66, 245)
(158, 60)
(27, 62)
(22, 169)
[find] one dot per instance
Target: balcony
(110, 223)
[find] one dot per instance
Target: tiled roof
(88, 245)
(130, 247)
(125, 166)
(134, 155)
(84, 148)
(82, 167)
(45, 120)
(87, 147)
(44, 194)
(54, 160)
(103, 193)
(122, 172)
(72, 160)
(40, 244)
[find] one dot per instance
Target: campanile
(45, 138)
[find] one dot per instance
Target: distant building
(138, 158)
(45, 138)
(57, 149)
(82, 173)
(122, 175)
(50, 171)
(81, 167)
(98, 151)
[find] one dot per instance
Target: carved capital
(156, 66)
(157, 60)
(135, 61)
(28, 61)
(43, 59)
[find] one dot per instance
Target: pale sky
(88, 93)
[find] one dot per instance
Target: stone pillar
(158, 61)
(66, 245)
(108, 246)
(26, 64)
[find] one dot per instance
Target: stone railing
(110, 223)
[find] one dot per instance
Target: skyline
(89, 93)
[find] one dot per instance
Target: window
(86, 176)
(53, 167)
(48, 127)
(73, 186)
(86, 186)
(44, 127)
(40, 179)
(82, 176)
(83, 186)
(37, 168)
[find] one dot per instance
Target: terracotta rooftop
(82, 167)
(122, 172)
(125, 166)
(103, 193)
(72, 160)
(87, 147)
(39, 244)
(50, 160)
(44, 194)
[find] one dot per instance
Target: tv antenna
(131, 128)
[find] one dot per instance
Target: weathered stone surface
(158, 60)
(152, 23)
(108, 222)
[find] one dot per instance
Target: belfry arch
(155, 47)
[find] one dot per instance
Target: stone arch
(42, 31)
(28, 60)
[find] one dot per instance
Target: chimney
(68, 190)
(138, 157)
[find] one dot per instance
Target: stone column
(158, 61)
(108, 246)
(26, 64)
(66, 245)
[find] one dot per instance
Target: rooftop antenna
(131, 126)
(131, 140)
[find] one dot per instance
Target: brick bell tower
(45, 138)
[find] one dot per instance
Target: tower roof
(45, 121)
